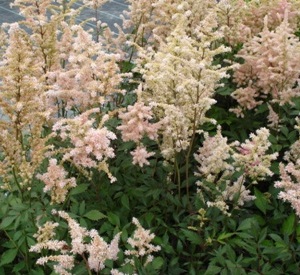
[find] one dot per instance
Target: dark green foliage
(260, 237)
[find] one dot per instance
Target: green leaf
(94, 215)
(262, 235)
(288, 225)
(125, 201)
(298, 233)
(149, 217)
(260, 201)
(80, 269)
(79, 189)
(18, 267)
(285, 131)
(230, 253)
(213, 270)
(276, 238)
(17, 235)
(82, 208)
(30, 241)
(292, 136)
(126, 66)
(193, 237)
(113, 219)
(7, 222)
(246, 224)
(8, 256)
(124, 235)
(157, 263)
(224, 236)
(38, 271)
(225, 90)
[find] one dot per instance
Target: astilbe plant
(69, 57)
(38, 70)
(98, 250)
(231, 17)
(89, 147)
(219, 162)
(155, 20)
(68, 124)
(270, 70)
(139, 18)
(89, 76)
(243, 20)
(290, 176)
(136, 124)
(167, 14)
(56, 182)
(147, 23)
(275, 10)
(289, 185)
(42, 18)
(141, 246)
(252, 156)
(23, 108)
(180, 79)
(88, 244)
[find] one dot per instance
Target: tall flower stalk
(23, 109)
(180, 82)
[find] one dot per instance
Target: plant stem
(18, 184)
(86, 264)
(178, 177)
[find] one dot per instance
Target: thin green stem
(86, 264)
(178, 177)
(187, 159)
(18, 184)
(187, 187)
(13, 242)
(25, 256)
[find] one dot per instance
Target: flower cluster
(43, 30)
(136, 125)
(56, 182)
(180, 80)
(242, 20)
(141, 244)
(45, 239)
(270, 70)
(232, 17)
(78, 72)
(139, 18)
(98, 250)
(140, 156)
(22, 108)
(219, 161)
(89, 75)
(153, 21)
(251, 156)
(237, 192)
(89, 242)
(290, 184)
(45, 233)
(290, 176)
(213, 157)
(90, 147)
